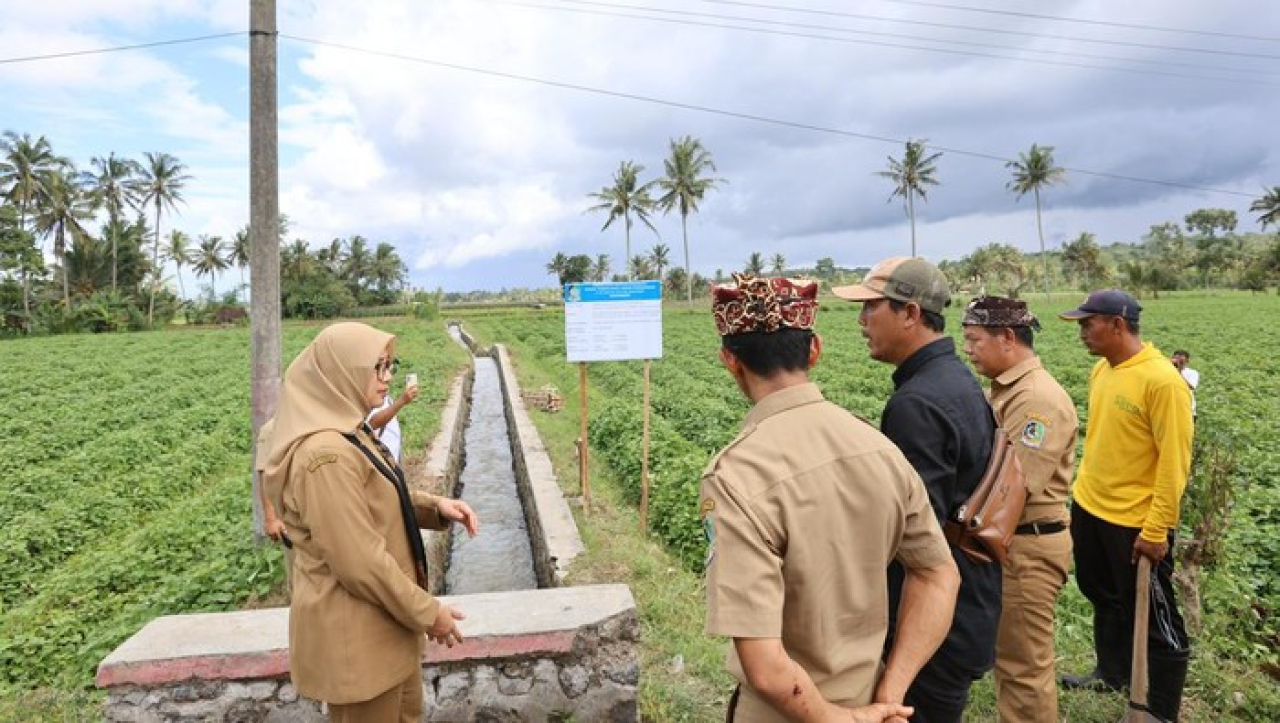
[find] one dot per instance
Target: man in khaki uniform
(803, 511)
(1040, 419)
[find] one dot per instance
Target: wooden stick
(583, 480)
(644, 457)
(1138, 676)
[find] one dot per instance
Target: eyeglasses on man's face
(387, 366)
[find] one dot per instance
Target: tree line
(110, 254)
(1204, 250)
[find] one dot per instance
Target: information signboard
(613, 321)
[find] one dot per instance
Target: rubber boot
(1112, 641)
(1166, 676)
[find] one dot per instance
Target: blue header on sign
(618, 291)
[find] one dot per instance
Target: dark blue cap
(1108, 302)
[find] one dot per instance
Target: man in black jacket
(941, 421)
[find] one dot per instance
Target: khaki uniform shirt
(1040, 419)
(357, 619)
(803, 511)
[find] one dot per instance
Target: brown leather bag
(983, 526)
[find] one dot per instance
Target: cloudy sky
(469, 133)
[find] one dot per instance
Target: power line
(952, 26)
(119, 48)
(627, 96)
(828, 28)
(732, 114)
(900, 46)
(1080, 21)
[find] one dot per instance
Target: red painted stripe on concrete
(273, 664)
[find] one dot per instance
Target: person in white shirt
(383, 419)
(1180, 358)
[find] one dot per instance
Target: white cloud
(479, 172)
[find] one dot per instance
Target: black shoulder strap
(395, 476)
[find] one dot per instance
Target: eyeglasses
(387, 366)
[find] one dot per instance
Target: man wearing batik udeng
(803, 511)
(1040, 419)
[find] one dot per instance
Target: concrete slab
(254, 643)
(559, 529)
(207, 646)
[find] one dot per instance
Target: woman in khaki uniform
(359, 607)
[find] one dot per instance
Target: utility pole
(264, 228)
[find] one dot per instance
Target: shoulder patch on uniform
(1034, 432)
(706, 507)
(709, 529)
(321, 460)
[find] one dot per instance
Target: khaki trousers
(402, 704)
(1026, 687)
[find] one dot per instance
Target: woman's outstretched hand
(459, 511)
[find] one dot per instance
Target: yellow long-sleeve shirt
(1137, 449)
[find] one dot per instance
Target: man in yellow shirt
(1128, 488)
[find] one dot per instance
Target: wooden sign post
(584, 482)
(644, 456)
(613, 322)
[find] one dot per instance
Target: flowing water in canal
(499, 558)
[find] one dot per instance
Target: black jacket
(940, 419)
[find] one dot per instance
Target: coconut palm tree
(600, 268)
(331, 256)
(159, 186)
(684, 186)
(210, 258)
(660, 258)
(62, 210)
(25, 167)
(113, 190)
(131, 238)
(356, 264)
(1032, 171)
(18, 250)
(240, 252)
(179, 251)
(778, 264)
(755, 264)
(558, 265)
(910, 176)
(88, 266)
(626, 197)
(387, 270)
(1269, 206)
(295, 260)
(640, 267)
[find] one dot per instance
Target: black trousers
(1107, 576)
(939, 693)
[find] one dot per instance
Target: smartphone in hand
(410, 380)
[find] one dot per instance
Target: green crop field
(124, 488)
